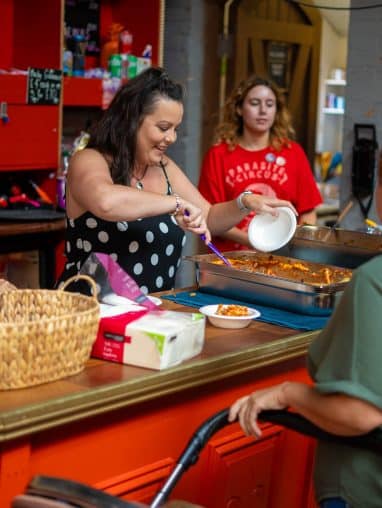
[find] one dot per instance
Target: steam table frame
(42, 236)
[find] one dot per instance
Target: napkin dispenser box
(156, 339)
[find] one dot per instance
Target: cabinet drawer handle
(4, 112)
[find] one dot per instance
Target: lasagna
(290, 269)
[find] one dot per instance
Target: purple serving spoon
(214, 249)
(211, 246)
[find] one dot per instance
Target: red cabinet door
(242, 472)
(29, 140)
(239, 470)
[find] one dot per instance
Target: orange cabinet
(121, 428)
(234, 472)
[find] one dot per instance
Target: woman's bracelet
(177, 205)
(239, 201)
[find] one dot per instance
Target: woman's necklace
(139, 184)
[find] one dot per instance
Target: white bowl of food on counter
(229, 315)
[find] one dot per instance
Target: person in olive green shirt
(346, 398)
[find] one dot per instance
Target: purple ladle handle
(214, 249)
(211, 246)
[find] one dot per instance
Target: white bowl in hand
(228, 321)
(267, 232)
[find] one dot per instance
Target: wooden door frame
(309, 38)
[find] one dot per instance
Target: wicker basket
(45, 335)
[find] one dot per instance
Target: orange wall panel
(127, 452)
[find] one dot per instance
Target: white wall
(333, 55)
(363, 94)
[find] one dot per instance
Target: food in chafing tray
(296, 270)
(232, 310)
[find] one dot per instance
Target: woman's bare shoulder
(180, 182)
(87, 156)
(170, 166)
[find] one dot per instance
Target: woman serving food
(125, 197)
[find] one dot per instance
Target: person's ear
(239, 111)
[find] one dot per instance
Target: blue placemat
(272, 315)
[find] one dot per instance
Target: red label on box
(111, 336)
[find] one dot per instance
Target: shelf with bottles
(334, 97)
(125, 38)
(335, 82)
(98, 91)
(334, 111)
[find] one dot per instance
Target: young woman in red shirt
(255, 153)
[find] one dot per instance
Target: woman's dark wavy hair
(231, 127)
(115, 135)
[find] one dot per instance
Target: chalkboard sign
(82, 18)
(44, 86)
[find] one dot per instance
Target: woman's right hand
(191, 218)
(266, 204)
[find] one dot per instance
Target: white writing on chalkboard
(44, 86)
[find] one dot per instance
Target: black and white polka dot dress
(148, 249)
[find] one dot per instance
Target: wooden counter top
(15, 228)
(106, 386)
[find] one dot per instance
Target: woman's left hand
(266, 204)
(247, 408)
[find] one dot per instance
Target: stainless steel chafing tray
(264, 289)
(339, 247)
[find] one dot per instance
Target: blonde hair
(231, 127)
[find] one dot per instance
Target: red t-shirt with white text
(285, 174)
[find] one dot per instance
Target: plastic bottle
(111, 47)
(79, 55)
(67, 62)
(125, 42)
(115, 66)
(148, 51)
